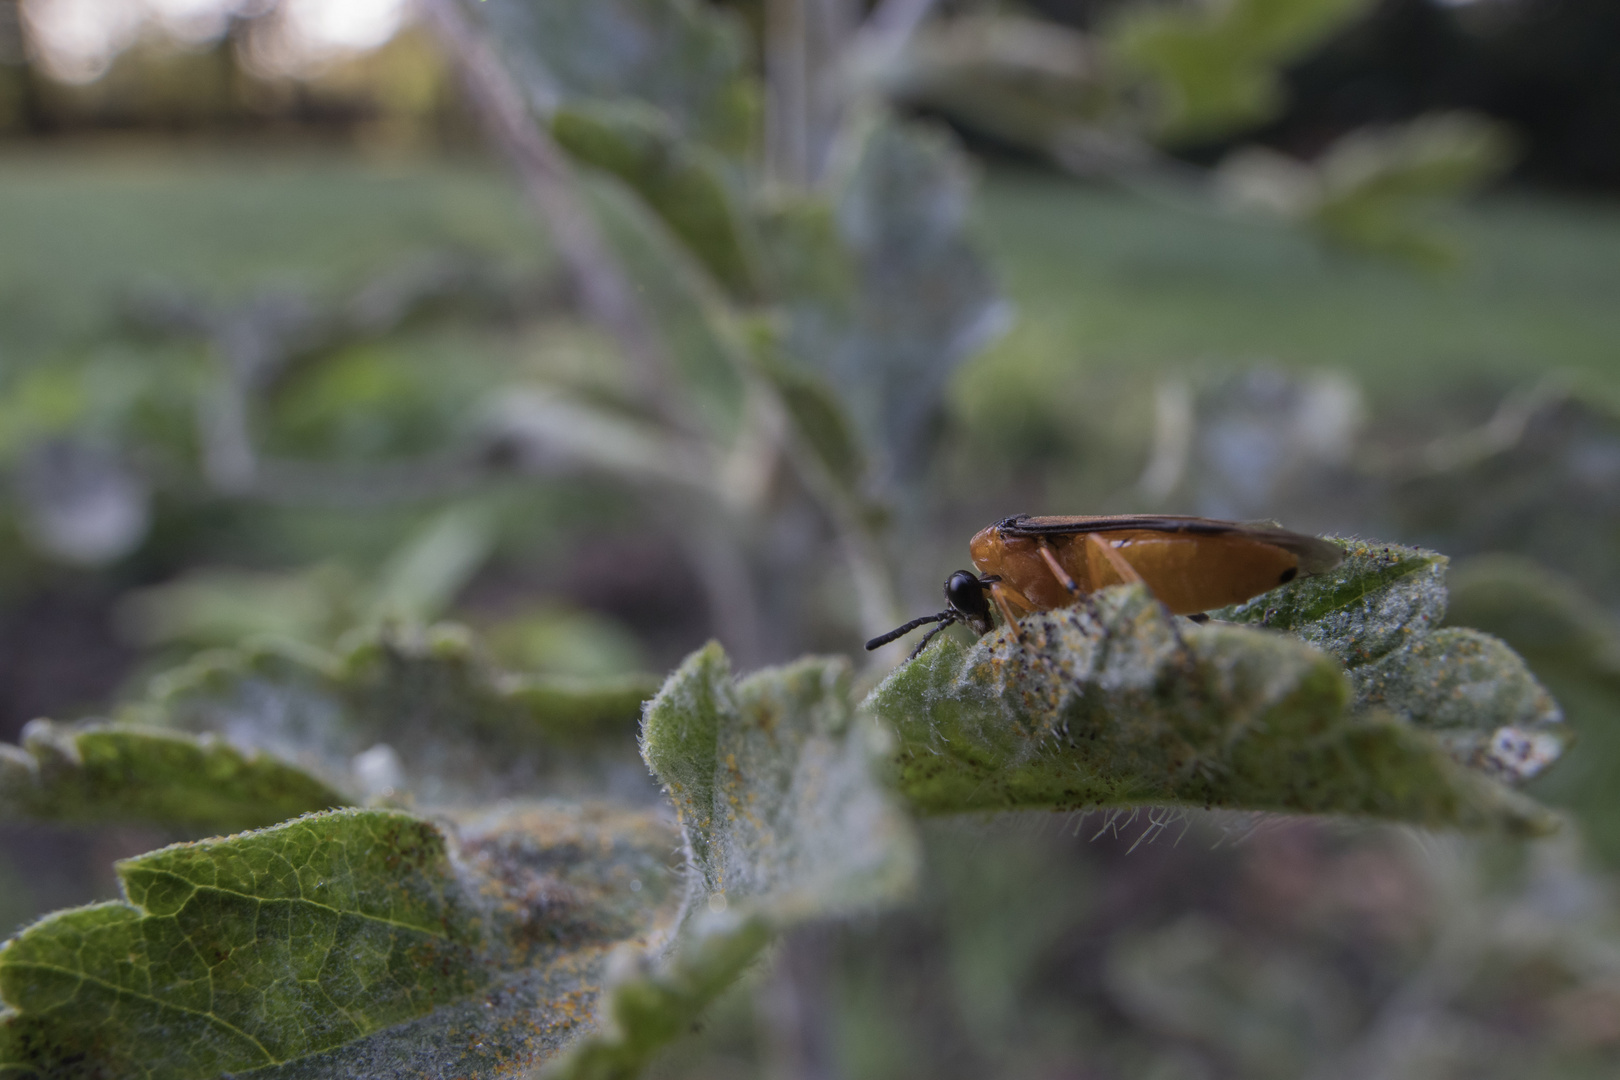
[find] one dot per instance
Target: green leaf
(1547, 617)
(315, 604)
(421, 580)
(1378, 612)
(660, 1002)
(104, 774)
(246, 952)
(214, 607)
(887, 296)
(1377, 184)
(784, 817)
(773, 781)
(1216, 64)
(399, 709)
(1375, 189)
(354, 943)
(1024, 80)
(817, 414)
(1574, 644)
(1362, 610)
(1120, 706)
(572, 708)
(682, 182)
(689, 59)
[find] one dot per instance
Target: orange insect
(1191, 564)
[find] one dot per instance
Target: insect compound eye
(965, 593)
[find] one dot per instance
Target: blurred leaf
(564, 641)
(1024, 80)
(1377, 182)
(1539, 477)
(677, 178)
(1237, 445)
(216, 607)
(888, 311)
(774, 783)
(686, 58)
(653, 1007)
(1126, 709)
(578, 707)
(458, 729)
(1199, 980)
(1216, 62)
(315, 605)
(1574, 644)
(81, 502)
(40, 403)
(1544, 615)
(549, 429)
(104, 775)
(817, 414)
(1372, 190)
(421, 580)
(343, 944)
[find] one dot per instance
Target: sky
(78, 39)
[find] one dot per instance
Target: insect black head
(964, 592)
(1289, 574)
(964, 595)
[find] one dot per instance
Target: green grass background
(1102, 280)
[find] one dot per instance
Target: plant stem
(549, 183)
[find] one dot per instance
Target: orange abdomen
(1188, 573)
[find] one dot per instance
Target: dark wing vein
(1315, 554)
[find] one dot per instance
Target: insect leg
(923, 644)
(1127, 573)
(1056, 567)
(1005, 596)
(1068, 582)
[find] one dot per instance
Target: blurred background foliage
(286, 354)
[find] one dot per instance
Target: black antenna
(901, 631)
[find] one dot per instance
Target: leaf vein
(124, 991)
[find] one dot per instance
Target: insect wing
(1315, 555)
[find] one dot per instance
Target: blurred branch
(885, 34)
(889, 29)
(1500, 433)
(806, 42)
(548, 181)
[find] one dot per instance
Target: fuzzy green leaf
(772, 778)
(784, 819)
(344, 944)
(1378, 613)
(106, 774)
(1123, 707)
(660, 1002)
(1363, 609)
(432, 715)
